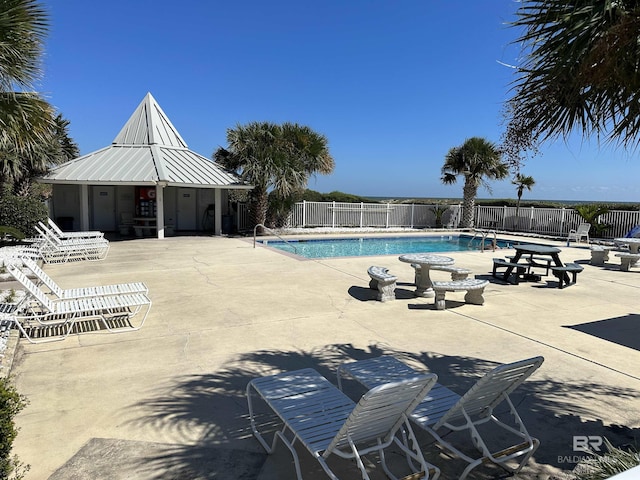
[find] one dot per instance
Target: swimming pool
(362, 247)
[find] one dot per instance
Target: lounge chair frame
(81, 292)
(61, 315)
(70, 235)
(444, 410)
(323, 419)
(54, 250)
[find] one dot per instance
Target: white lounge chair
(54, 250)
(114, 311)
(579, 233)
(323, 419)
(82, 292)
(82, 234)
(71, 239)
(444, 411)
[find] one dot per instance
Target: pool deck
(168, 400)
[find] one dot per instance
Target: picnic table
(424, 286)
(537, 250)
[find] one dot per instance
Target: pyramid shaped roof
(148, 126)
(148, 150)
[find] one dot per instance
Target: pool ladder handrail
(272, 233)
(485, 234)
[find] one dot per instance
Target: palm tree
(579, 72)
(26, 119)
(476, 159)
(271, 157)
(59, 148)
(521, 182)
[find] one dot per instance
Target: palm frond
(580, 71)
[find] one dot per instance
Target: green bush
(590, 213)
(22, 213)
(11, 402)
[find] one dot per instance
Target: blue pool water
(361, 247)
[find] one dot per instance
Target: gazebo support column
(84, 207)
(217, 196)
(160, 209)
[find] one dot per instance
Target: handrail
(494, 244)
(273, 233)
(485, 234)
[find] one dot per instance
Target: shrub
(11, 402)
(591, 213)
(22, 213)
(439, 209)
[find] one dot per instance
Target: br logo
(584, 443)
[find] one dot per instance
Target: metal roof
(148, 150)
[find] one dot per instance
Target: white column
(84, 207)
(160, 209)
(217, 198)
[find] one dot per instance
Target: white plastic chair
(579, 233)
(81, 292)
(444, 411)
(323, 419)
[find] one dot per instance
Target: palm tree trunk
(259, 206)
(469, 191)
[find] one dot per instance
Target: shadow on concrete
(620, 330)
(496, 280)
(117, 459)
(215, 405)
(365, 294)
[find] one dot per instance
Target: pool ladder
(484, 234)
(272, 233)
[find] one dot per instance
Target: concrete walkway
(168, 400)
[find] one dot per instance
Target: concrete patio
(168, 400)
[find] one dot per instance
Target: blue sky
(393, 85)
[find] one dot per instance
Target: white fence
(544, 221)
(552, 221)
(378, 215)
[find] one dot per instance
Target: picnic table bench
(562, 271)
(520, 269)
(457, 273)
(628, 260)
(533, 261)
(382, 281)
(474, 288)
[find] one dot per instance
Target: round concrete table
(424, 287)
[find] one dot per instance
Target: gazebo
(147, 177)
